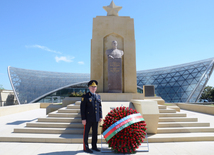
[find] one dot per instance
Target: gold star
(112, 9)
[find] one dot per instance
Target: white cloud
(58, 59)
(43, 48)
(63, 58)
(81, 63)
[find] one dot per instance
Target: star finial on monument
(112, 9)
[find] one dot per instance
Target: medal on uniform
(90, 99)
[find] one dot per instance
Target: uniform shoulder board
(82, 98)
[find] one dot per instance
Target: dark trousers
(87, 127)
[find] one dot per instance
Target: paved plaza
(178, 148)
(9, 122)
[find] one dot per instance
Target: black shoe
(96, 149)
(88, 151)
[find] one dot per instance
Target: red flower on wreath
(128, 139)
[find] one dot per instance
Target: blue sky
(55, 35)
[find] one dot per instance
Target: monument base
(115, 91)
(150, 112)
(147, 106)
(127, 97)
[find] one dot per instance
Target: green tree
(208, 94)
(1, 87)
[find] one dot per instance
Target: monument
(105, 30)
(113, 65)
(114, 56)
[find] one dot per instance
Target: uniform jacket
(91, 108)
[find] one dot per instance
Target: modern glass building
(32, 86)
(180, 83)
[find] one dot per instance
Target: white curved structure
(180, 83)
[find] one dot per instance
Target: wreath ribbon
(121, 124)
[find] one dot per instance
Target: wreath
(124, 129)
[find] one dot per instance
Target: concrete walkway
(9, 122)
(181, 148)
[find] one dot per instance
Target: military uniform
(91, 111)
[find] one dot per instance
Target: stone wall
(207, 109)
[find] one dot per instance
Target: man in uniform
(91, 114)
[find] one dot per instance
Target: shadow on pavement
(20, 122)
(69, 153)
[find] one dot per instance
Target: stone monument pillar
(113, 65)
(105, 30)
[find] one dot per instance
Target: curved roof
(29, 85)
(80, 84)
(180, 83)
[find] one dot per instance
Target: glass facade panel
(180, 83)
(59, 95)
(29, 85)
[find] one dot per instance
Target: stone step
(78, 138)
(69, 111)
(50, 130)
(172, 115)
(80, 130)
(56, 119)
(54, 125)
(177, 119)
(181, 137)
(69, 115)
(72, 106)
(174, 107)
(161, 106)
(45, 138)
(185, 130)
(182, 124)
(167, 111)
(77, 102)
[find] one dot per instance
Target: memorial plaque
(114, 69)
(149, 90)
(115, 75)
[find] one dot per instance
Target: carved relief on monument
(113, 63)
